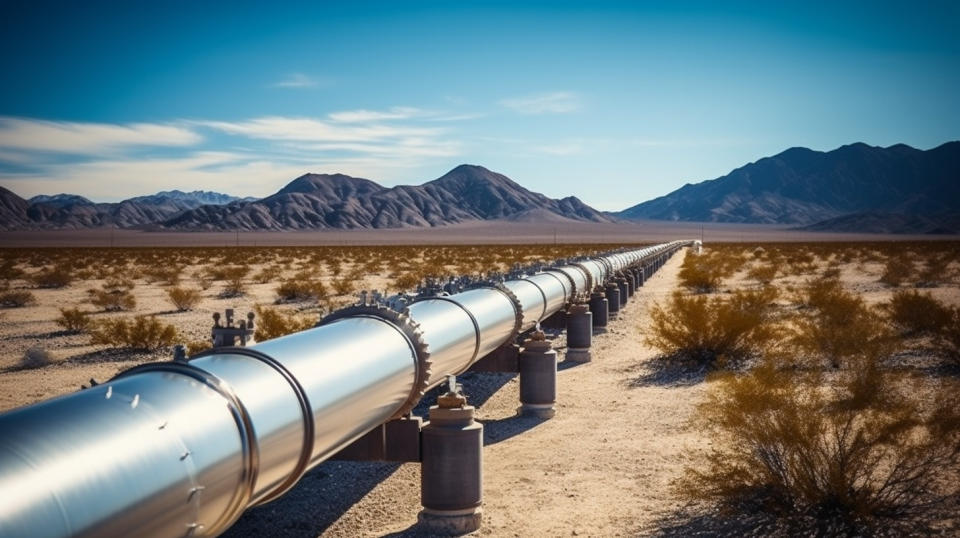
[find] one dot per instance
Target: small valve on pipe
(229, 334)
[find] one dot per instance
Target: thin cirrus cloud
(34, 135)
(107, 161)
(298, 81)
(544, 103)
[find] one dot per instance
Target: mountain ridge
(800, 186)
(308, 202)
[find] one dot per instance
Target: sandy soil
(481, 232)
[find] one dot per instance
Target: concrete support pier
(451, 475)
(579, 333)
(613, 297)
(538, 377)
(600, 307)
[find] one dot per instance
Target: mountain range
(310, 202)
(854, 187)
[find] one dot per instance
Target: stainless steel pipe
(183, 448)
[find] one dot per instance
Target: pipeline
(182, 448)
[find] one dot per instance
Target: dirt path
(601, 467)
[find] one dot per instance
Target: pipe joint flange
(517, 309)
(410, 329)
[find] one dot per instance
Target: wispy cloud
(544, 103)
(297, 80)
(316, 130)
(111, 161)
(362, 115)
(561, 149)
(89, 138)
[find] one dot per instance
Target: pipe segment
(183, 448)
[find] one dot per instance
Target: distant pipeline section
(182, 448)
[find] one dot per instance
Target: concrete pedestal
(613, 298)
(538, 378)
(579, 333)
(600, 307)
(451, 475)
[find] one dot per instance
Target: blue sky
(615, 103)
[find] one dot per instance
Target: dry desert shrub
(935, 271)
(112, 300)
(344, 285)
(699, 275)
(196, 346)
(713, 330)
(273, 323)
(268, 274)
(233, 275)
(74, 320)
(184, 299)
(54, 277)
(301, 287)
(834, 325)
(854, 461)
(36, 357)
(897, 270)
(762, 273)
(142, 332)
(917, 314)
(16, 299)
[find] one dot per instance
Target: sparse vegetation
(273, 323)
(142, 332)
(713, 330)
(36, 357)
(184, 299)
(918, 314)
(55, 277)
(74, 320)
(855, 460)
(16, 299)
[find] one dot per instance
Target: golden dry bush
(713, 330)
(834, 325)
(196, 346)
(917, 314)
(184, 299)
(698, 275)
(112, 300)
(852, 460)
(302, 287)
(74, 320)
(763, 273)
(273, 323)
(897, 270)
(344, 285)
(54, 277)
(142, 332)
(16, 299)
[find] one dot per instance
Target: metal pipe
(184, 447)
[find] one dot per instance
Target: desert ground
(604, 466)
(468, 233)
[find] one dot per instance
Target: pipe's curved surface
(182, 448)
